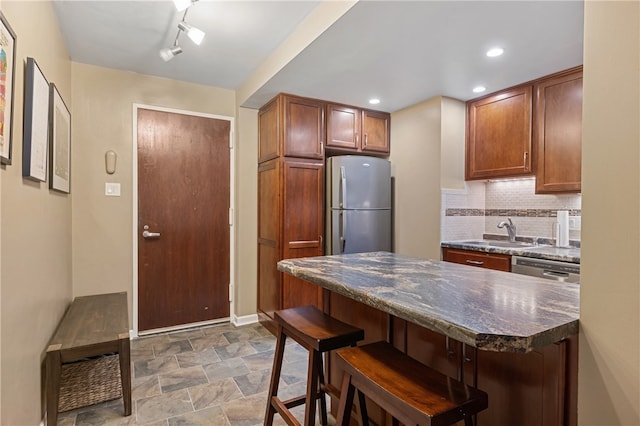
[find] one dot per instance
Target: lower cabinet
(497, 261)
(525, 389)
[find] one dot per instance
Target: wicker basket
(89, 382)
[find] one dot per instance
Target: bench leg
(54, 366)
(124, 354)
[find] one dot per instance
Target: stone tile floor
(216, 375)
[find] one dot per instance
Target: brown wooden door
(269, 213)
(343, 127)
(303, 128)
(376, 131)
(303, 183)
(499, 134)
(558, 134)
(183, 194)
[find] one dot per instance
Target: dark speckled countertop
(548, 252)
(490, 310)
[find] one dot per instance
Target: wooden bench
(92, 326)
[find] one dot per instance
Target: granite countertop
(548, 252)
(490, 310)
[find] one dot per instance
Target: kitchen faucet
(511, 229)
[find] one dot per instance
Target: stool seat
(318, 333)
(316, 330)
(408, 390)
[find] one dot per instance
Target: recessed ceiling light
(496, 51)
(479, 89)
(374, 101)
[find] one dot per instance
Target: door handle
(343, 187)
(147, 234)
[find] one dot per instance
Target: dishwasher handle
(554, 274)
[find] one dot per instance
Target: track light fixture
(196, 35)
(169, 52)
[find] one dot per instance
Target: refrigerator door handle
(343, 231)
(343, 187)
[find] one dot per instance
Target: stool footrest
(294, 402)
(282, 409)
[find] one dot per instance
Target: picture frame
(7, 87)
(59, 142)
(35, 143)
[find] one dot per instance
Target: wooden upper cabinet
(269, 131)
(355, 129)
(558, 133)
(375, 131)
(291, 126)
(499, 134)
(303, 127)
(343, 127)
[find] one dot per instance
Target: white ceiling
(400, 51)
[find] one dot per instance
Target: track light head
(196, 35)
(168, 53)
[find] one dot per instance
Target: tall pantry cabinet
(290, 199)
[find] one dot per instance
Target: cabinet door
(433, 349)
(558, 134)
(525, 389)
(499, 262)
(303, 183)
(343, 127)
(303, 127)
(375, 131)
(269, 131)
(499, 135)
(269, 290)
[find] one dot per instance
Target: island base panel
(528, 389)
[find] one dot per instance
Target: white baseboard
(244, 320)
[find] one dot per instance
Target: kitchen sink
(499, 243)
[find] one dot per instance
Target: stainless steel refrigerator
(358, 204)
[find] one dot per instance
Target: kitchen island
(513, 336)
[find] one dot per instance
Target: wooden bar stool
(411, 392)
(318, 333)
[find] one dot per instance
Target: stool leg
(315, 359)
(321, 393)
(468, 420)
(275, 376)
(346, 401)
(364, 416)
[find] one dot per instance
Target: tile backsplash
(477, 210)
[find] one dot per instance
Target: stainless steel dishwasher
(548, 269)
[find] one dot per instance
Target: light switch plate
(112, 189)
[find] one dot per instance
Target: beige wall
(609, 378)
(246, 213)
(415, 165)
(102, 116)
(454, 113)
(36, 230)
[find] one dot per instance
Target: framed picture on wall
(35, 142)
(59, 142)
(7, 78)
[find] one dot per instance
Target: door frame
(134, 229)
